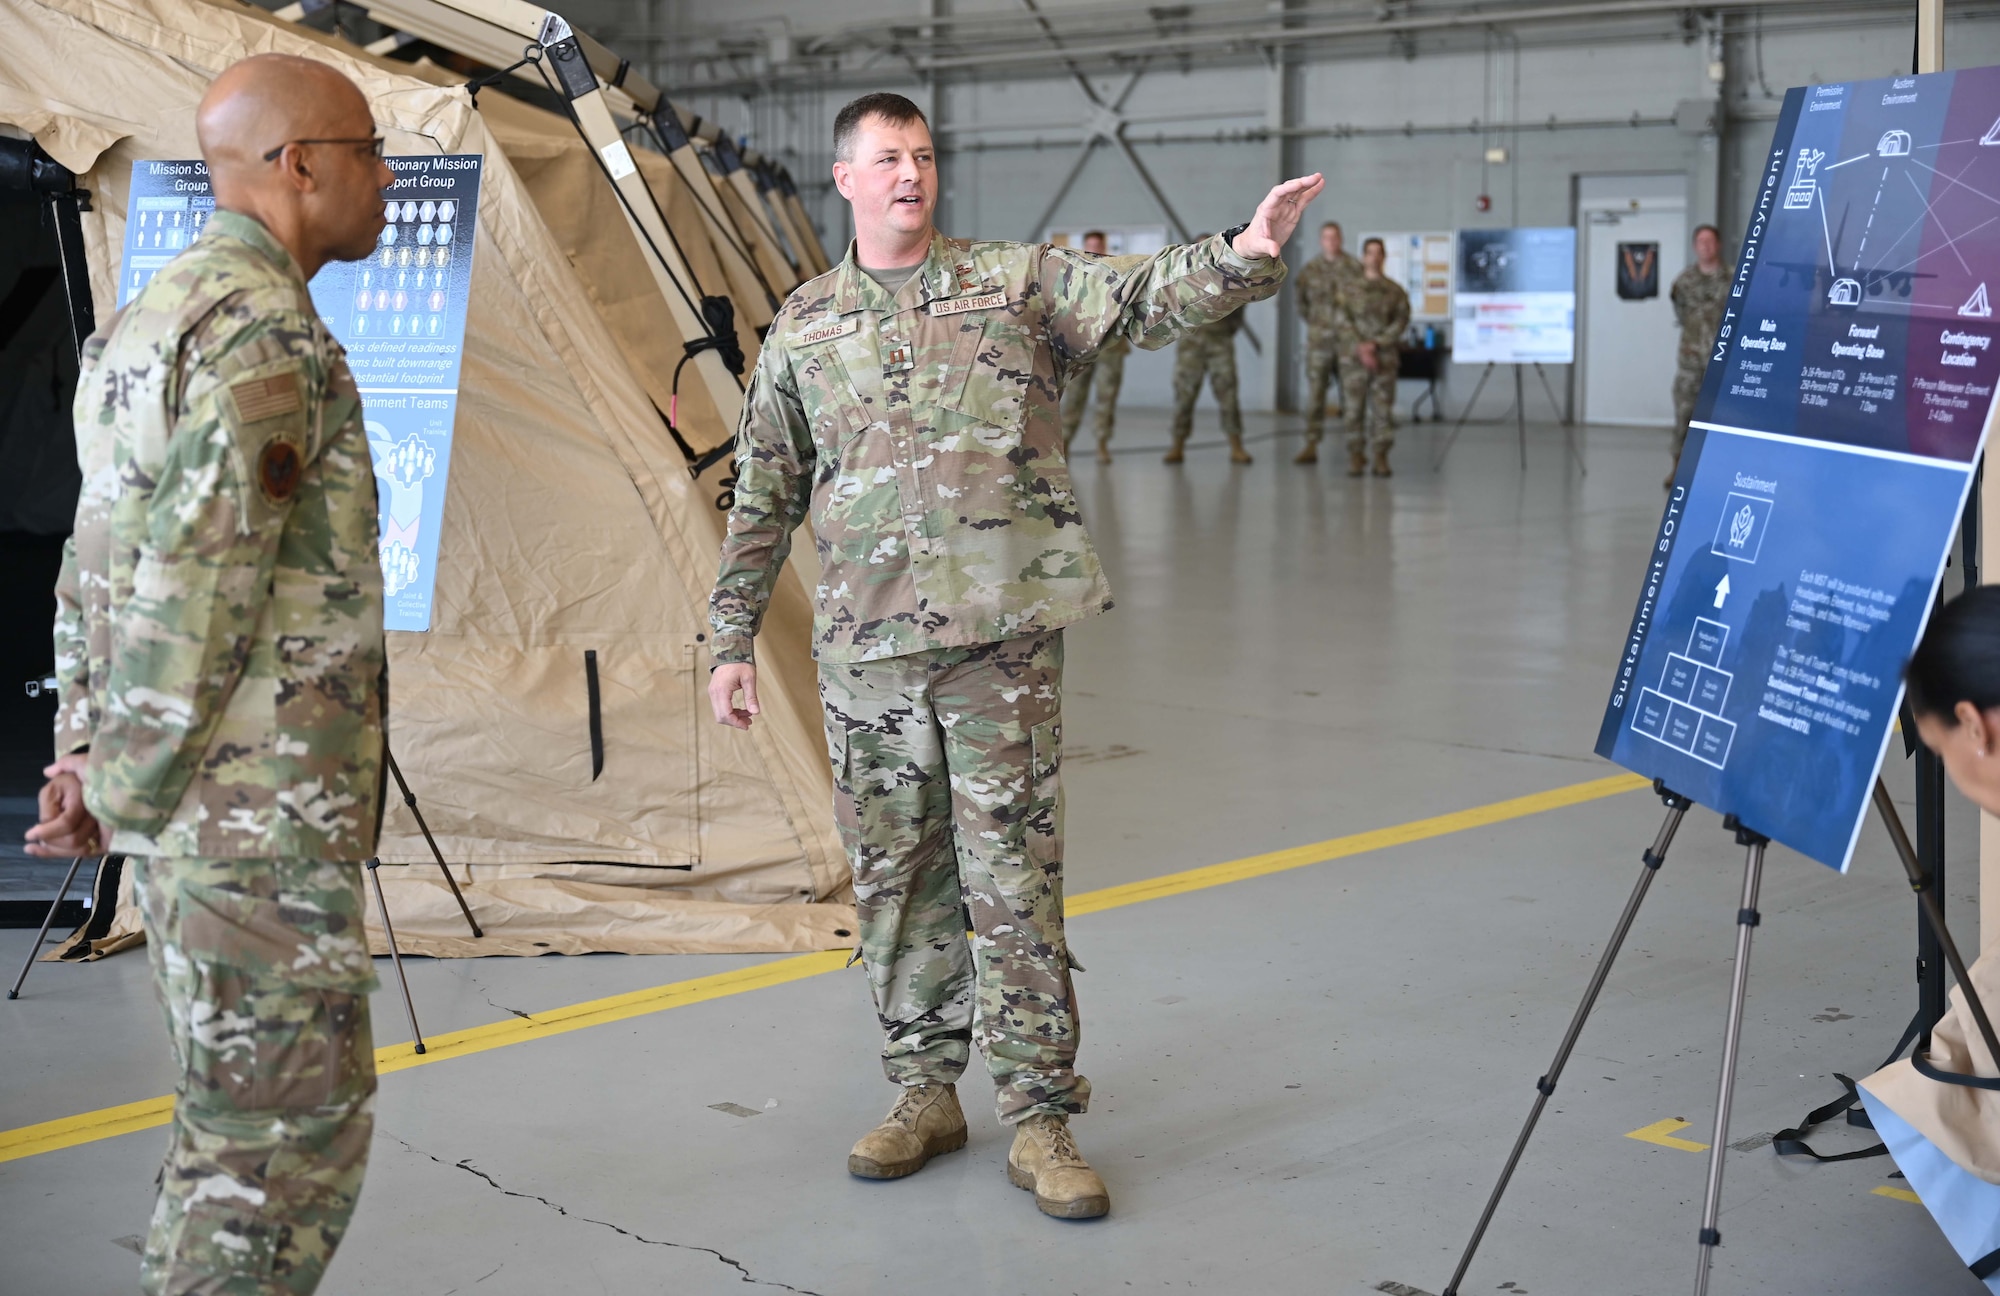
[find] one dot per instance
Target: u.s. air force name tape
(959, 305)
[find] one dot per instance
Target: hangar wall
(1402, 138)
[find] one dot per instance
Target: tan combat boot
(1309, 455)
(1174, 455)
(1044, 1160)
(1357, 461)
(1382, 468)
(1237, 454)
(925, 1122)
(1103, 451)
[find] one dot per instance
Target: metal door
(1633, 246)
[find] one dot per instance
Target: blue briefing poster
(1836, 437)
(401, 316)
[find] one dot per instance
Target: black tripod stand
(388, 928)
(1747, 920)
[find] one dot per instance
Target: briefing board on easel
(1846, 403)
(1514, 301)
(400, 316)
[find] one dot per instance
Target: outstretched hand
(1277, 216)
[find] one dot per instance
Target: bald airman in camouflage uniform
(1374, 310)
(918, 428)
(220, 642)
(1700, 295)
(1319, 286)
(1208, 351)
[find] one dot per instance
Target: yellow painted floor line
(1661, 1134)
(1899, 1194)
(108, 1122)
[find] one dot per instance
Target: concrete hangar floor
(1305, 1081)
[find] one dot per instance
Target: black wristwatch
(1229, 235)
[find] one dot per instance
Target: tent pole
(1677, 808)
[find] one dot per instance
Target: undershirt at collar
(892, 280)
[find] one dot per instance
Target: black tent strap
(1986, 1266)
(1792, 1142)
(1930, 1072)
(533, 54)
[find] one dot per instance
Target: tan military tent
(571, 525)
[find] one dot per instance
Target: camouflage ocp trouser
(1196, 357)
(1322, 371)
(1108, 371)
(947, 767)
(1687, 387)
(1369, 400)
(263, 970)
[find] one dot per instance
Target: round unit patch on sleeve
(279, 467)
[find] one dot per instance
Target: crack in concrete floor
(743, 1273)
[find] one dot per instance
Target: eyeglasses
(375, 145)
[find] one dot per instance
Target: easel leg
(1463, 415)
(1521, 414)
(1677, 808)
(395, 955)
(1920, 883)
(48, 921)
(1569, 428)
(410, 800)
(1746, 923)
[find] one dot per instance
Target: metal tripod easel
(373, 864)
(1747, 920)
(1520, 416)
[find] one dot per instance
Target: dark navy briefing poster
(400, 315)
(1845, 405)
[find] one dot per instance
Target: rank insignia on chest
(898, 358)
(960, 305)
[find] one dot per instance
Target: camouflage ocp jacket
(218, 633)
(922, 433)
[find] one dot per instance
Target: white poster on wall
(1120, 240)
(1420, 260)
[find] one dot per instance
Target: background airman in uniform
(1319, 286)
(1700, 294)
(1374, 310)
(1107, 371)
(1208, 351)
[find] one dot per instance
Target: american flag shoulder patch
(257, 399)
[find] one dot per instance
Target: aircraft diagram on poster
(1515, 298)
(400, 314)
(1843, 412)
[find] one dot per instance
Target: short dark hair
(891, 108)
(1710, 228)
(1330, 225)
(1095, 234)
(1377, 242)
(1958, 659)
